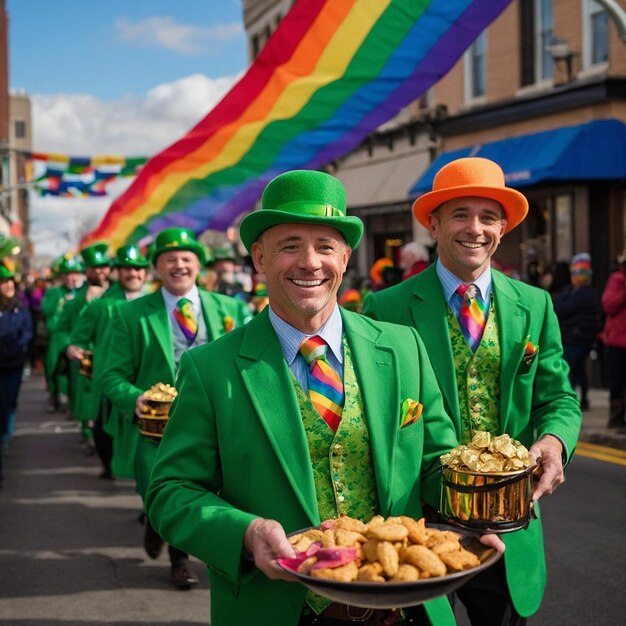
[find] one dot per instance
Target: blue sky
(119, 77)
(114, 48)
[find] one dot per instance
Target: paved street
(71, 554)
(70, 544)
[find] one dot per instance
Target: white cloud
(187, 39)
(83, 125)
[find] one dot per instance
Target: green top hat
(224, 253)
(95, 255)
(7, 268)
(177, 239)
(302, 197)
(130, 256)
(68, 264)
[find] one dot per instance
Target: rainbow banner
(329, 76)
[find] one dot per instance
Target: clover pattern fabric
(478, 378)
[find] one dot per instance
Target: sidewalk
(594, 429)
(71, 550)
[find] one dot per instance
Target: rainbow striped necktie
(472, 318)
(183, 313)
(325, 386)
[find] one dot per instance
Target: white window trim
(589, 68)
(468, 98)
(538, 26)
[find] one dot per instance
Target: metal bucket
(498, 502)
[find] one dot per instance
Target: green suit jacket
(140, 353)
(534, 401)
(92, 333)
(235, 448)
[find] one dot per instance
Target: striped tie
(325, 386)
(472, 318)
(186, 319)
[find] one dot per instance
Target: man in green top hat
(97, 269)
(503, 372)
(148, 338)
(249, 455)
(115, 440)
(69, 271)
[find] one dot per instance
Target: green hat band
(309, 208)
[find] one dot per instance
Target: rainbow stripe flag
(330, 75)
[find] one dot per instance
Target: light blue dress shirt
(291, 339)
(450, 283)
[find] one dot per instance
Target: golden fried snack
(388, 558)
(416, 528)
(370, 549)
(388, 532)
(459, 560)
(328, 538)
(397, 549)
(406, 573)
(344, 573)
(445, 546)
(345, 537)
(424, 559)
(349, 523)
(371, 573)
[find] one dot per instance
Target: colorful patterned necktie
(186, 319)
(325, 386)
(472, 318)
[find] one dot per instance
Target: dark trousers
(616, 360)
(104, 445)
(487, 600)
(10, 382)
(576, 358)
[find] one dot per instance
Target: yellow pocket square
(411, 412)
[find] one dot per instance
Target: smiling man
(147, 338)
(300, 416)
(496, 349)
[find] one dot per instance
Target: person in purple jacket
(15, 335)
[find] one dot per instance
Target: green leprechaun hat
(95, 255)
(177, 239)
(302, 197)
(7, 268)
(130, 256)
(68, 264)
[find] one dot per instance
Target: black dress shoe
(152, 542)
(182, 576)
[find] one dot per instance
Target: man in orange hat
(495, 346)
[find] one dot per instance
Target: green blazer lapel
(377, 365)
(267, 378)
(513, 326)
(429, 311)
(159, 323)
(213, 315)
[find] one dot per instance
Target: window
(476, 68)
(536, 33)
(20, 129)
(543, 38)
(595, 34)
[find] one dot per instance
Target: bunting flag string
(77, 176)
(331, 74)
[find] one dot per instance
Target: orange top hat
(472, 177)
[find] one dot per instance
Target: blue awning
(592, 151)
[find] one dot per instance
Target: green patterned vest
(477, 377)
(342, 461)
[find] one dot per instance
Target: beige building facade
(543, 66)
